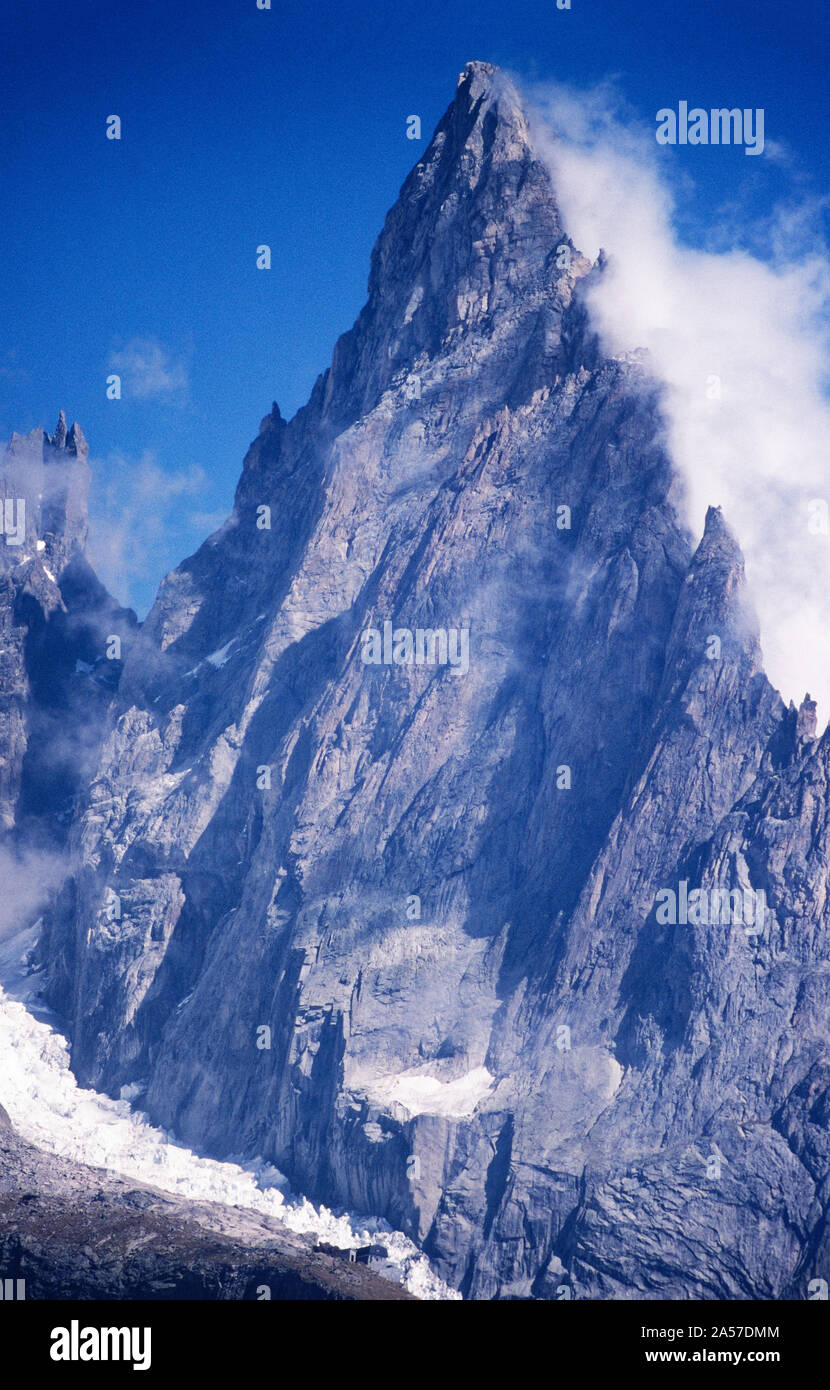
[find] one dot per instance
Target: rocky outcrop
(405, 927)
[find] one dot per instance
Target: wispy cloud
(143, 522)
(741, 342)
(147, 369)
(208, 522)
(28, 878)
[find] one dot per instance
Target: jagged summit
(49, 475)
(719, 540)
(71, 440)
(806, 719)
(58, 439)
(485, 90)
(55, 615)
(272, 419)
(39, 445)
(478, 72)
(467, 255)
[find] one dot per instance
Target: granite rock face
(406, 929)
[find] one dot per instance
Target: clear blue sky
(287, 126)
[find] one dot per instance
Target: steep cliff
(393, 922)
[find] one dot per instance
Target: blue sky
(287, 126)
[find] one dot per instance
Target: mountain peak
(806, 718)
(718, 542)
(486, 123)
(70, 440)
(603, 742)
(476, 70)
(58, 439)
(483, 83)
(76, 441)
(468, 252)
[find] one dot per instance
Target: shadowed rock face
(439, 891)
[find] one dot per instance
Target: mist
(29, 876)
(740, 342)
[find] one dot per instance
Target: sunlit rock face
(398, 924)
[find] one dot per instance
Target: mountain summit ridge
(477, 197)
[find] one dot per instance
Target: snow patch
(426, 1095)
(404, 945)
(219, 658)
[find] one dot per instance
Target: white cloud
(142, 520)
(148, 369)
(756, 329)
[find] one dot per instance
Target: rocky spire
(70, 440)
(713, 605)
(468, 252)
(805, 727)
(50, 475)
(75, 442)
(58, 439)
